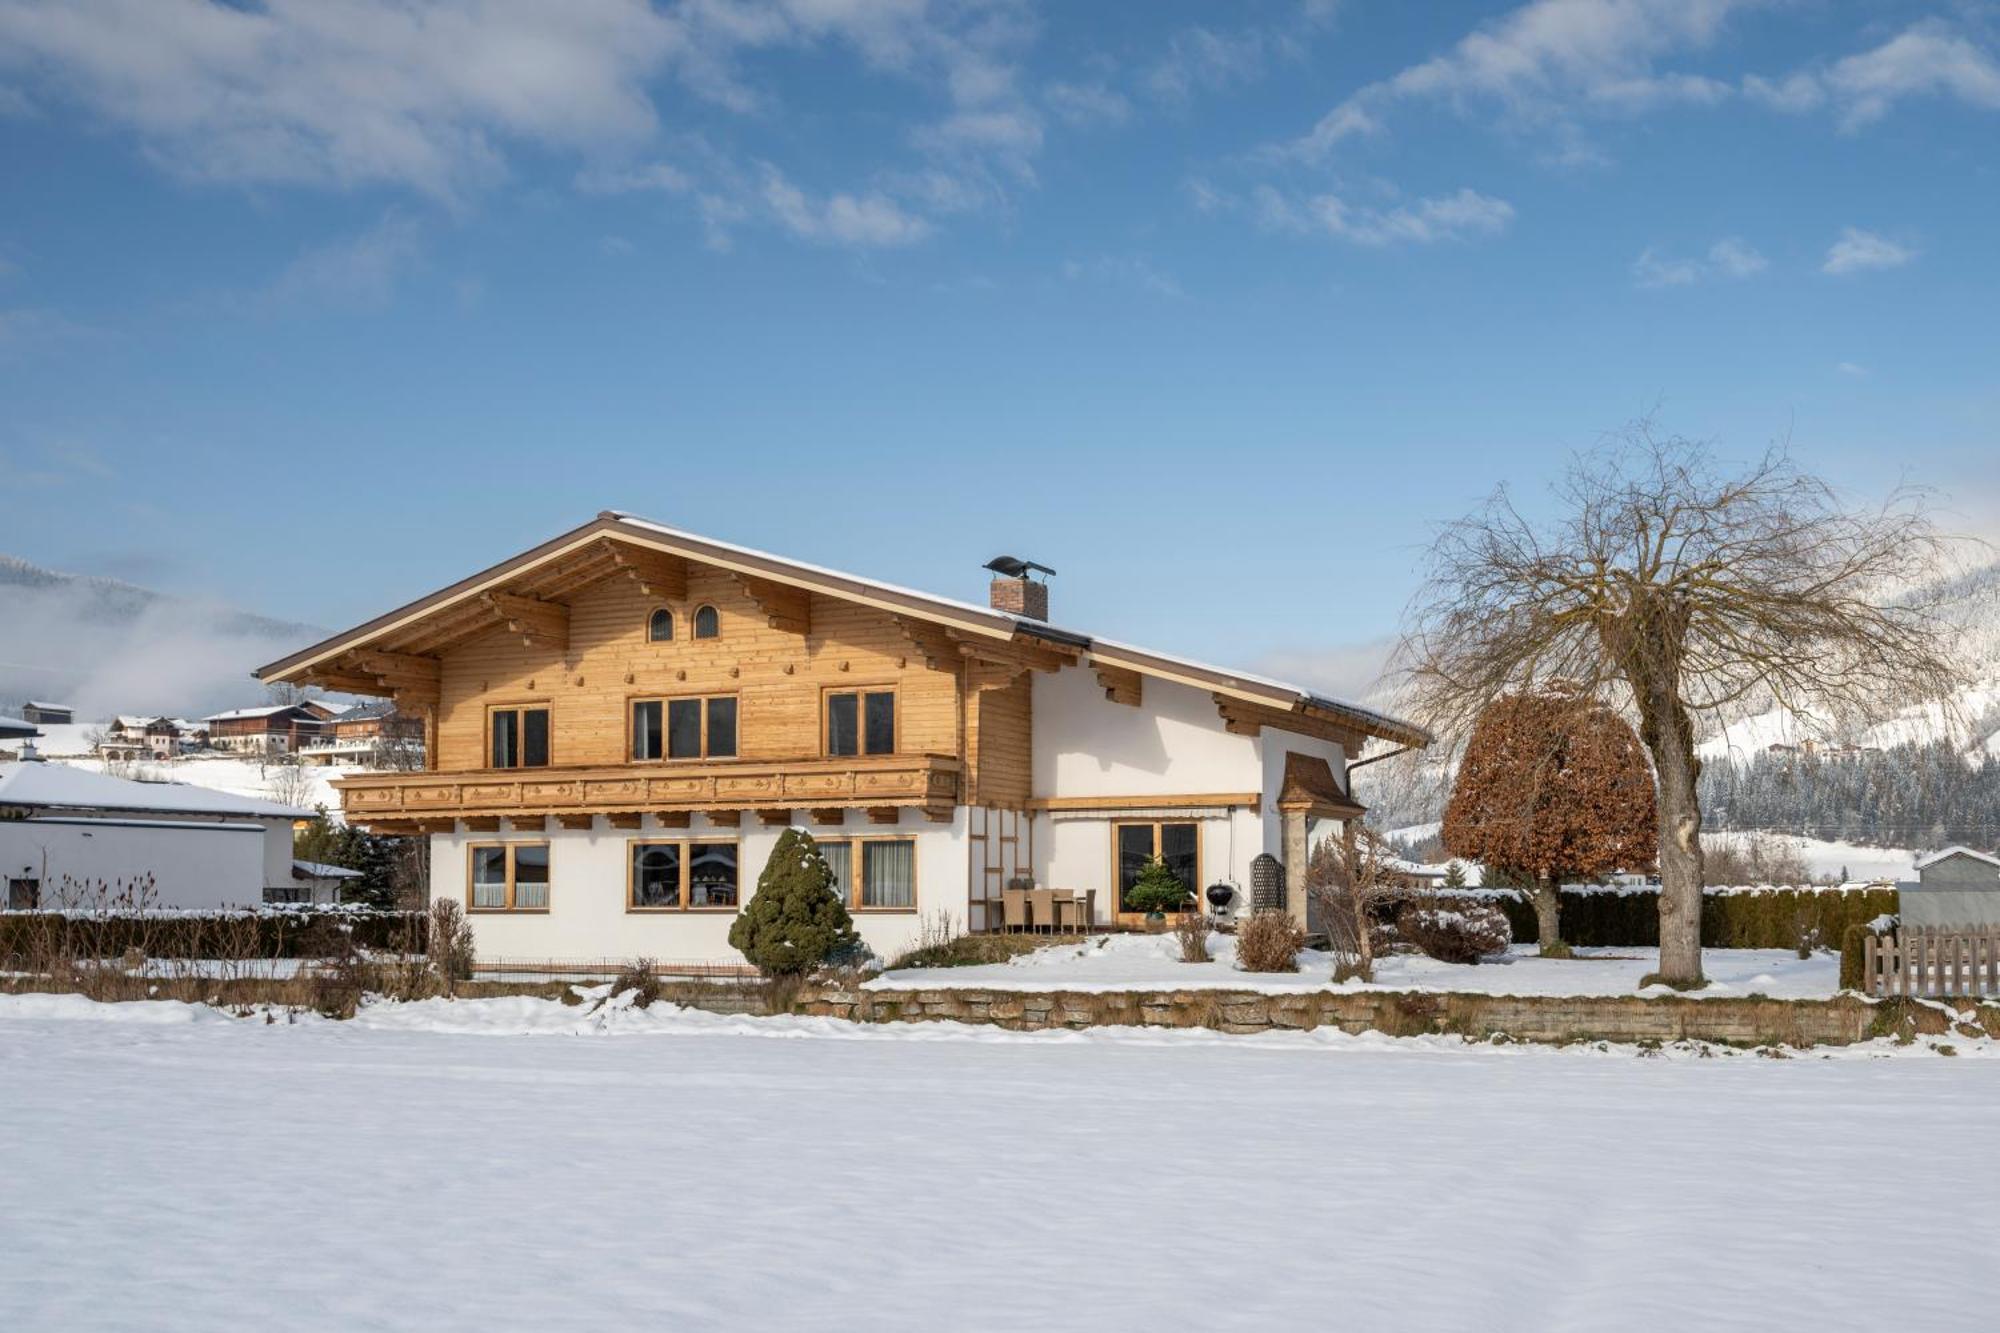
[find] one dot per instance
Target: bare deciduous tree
(1348, 884)
(1669, 584)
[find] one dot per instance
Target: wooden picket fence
(1929, 962)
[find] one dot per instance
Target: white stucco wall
(587, 917)
(1173, 743)
(193, 864)
(1075, 852)
(1274, 745)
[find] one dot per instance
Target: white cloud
(360, 271)
(1857, 250)
(1927, 59)
(1133, 271)
(845, 219)
(1729, 257)
(1452, 217)
(347, 92)
(1087, 104)
(1545, 63)
(1852, 369)
(1199, 59)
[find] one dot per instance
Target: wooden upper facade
(626, 669)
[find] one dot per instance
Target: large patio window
(519, 737)
(508, 876)
(1178, 844)
(681, 875)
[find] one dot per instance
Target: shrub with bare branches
(1460, 931)
(638, 977)
(1269, 941)
(1192, 931)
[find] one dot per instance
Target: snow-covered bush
(1464, 932)
(638, 977)
(1268, 942)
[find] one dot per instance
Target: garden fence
(1928, 963)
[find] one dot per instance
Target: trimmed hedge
(1738, 919)
(282, 933)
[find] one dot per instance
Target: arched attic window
(707, 624)
(660, 626)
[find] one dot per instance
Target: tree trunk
(1546, 896)
(1668, 732)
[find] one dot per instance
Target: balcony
(881, 783)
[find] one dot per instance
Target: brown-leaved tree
(1552, 786)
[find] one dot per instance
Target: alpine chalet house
(620, 722)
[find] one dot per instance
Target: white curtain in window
(888, 874)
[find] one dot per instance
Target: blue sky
(314, 305)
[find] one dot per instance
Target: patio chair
(1042, 908)
(1014, 909)
(1070, 914)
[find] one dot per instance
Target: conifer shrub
(1157, 889)
(795, 922)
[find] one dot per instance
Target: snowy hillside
(303, 785)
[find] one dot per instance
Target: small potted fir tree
(1156, 892)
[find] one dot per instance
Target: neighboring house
(275, 729)
(313, 882)
(1955, 888)
(129, 737)
(55, 715)
(370, 735)
(64, 831)
(621, 721)
(18, 735)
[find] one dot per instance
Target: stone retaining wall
(1554, 1019)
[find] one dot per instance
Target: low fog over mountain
(108, 647)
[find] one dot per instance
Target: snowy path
(200, 1172)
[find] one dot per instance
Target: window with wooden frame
(1134, 843)
(860, 722)
(518, 736)
(707, 623)
(660, 626)
(681, 875)
(873, 874)
(507, 877)
(702, 727)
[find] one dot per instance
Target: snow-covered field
(169, 1168)
(1127, 962)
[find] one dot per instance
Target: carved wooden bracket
(661, 577)
(540, 624)
(1122, 685)
(784, 607)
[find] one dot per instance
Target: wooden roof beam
(928, 641)
(660, 576)
(1122, 685)
(784, 606)
(539, 624)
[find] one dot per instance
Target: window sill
(506, 911)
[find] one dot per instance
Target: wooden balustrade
(881, 784)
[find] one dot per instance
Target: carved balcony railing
(881, 784)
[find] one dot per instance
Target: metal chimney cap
(1010, 567)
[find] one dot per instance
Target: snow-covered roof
(321, 870)
(235, 714)
(61, 787)
(966, 616)
(17, 727)
(1927, 862)
(60, 708)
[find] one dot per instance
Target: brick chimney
(1020, 597)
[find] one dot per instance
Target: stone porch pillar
(1293, 827)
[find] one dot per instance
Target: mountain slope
(110, 647)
